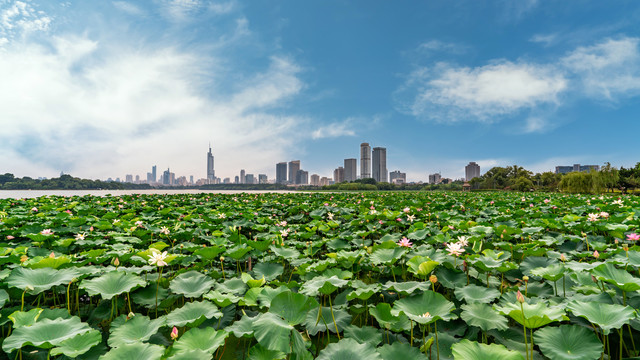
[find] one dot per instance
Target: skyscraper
(294, 166)
(281, 173)
(350, 170)
(154, 173)
(262, 179)
(211, 174)
(365, 161)
(338, 175)
(242, 176)
(302, 177)
(397, 177)
(471, 171)
(315, 180)
(380, 164)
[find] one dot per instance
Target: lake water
(20, 194)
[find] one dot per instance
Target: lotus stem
(332, 317)
(22, 307)
(158, 288)
(411, 332)
(620, 335)
(68, 303)
(435, 324)
(526, 344)
(129, 301)
(632, 341)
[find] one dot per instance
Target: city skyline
(109, 88)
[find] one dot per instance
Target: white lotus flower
(158, 259)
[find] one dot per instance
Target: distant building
(397, 177)
(168, 178)
(211, 173)
(281, 173)
(236, 180)
(242, 176)
(324, 181)
(472, 170)
(435, 178)
(151, 177)
(379, 164)
(576, 168)
(191, 179)
(350, 170)
(338, 175)
(226, 180)
(314, 180)
(294, 166)
(262, 179)
(248, 179)
(128, 178)
(137, 179)
(365, 161)
(302, 177)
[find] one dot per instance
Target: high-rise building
(128, 178)
(242, 176)
(236, 180)
(350, 170)
(168, 178)
(397, 177)
(249, 179)
(191, 179)
(151, 177)
(379, 164)
(302, 177)
(211, 173)
(324, 181)
(281, 173)
(294, 166)
(137, 179)
(338, 175)
(365, 161)
(315, 180)
(472, 170)
(226, 181)
(576, 168)
(262, 179)
(435, 178)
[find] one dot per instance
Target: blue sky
(106, 88)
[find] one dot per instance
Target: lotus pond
(329, 276)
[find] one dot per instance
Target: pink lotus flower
(35, 209)
(406, 209)
(46, 232)
(10, 237)
(174, 333)
(405, 242)
(633, 237)
(454, 249)
(520, 297)
(380, 222)
(546, 201)
(593, 217)
(596, 254)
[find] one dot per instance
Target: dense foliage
(64, 182)
(328, 276)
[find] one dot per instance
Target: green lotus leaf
(421, 265)
(400, 351)
(362, 291)
(134, 351)
(190, 355)
(349, 349)
(193, 314)
(551, 272)
(476, 294)
(622, 279)
(383, 314)
(535, 315)
(471, 350)
(267, 294)
(607, 316)
(250, 298)
(285, 252)
(147, 296)
(242, 327)
(4, 296)
(207, 340)
(78, 345)
(483, 316)
(25, 318)
(191, 284)
(425, 308)
(387, 256)
(568, 342)
(251, 282)
(273, 332)
(112, 284)
(40, 279)
(315, 324)
(232, 286)
(45, 333)
(322, 285)
(407, 287)
(365, 334)
(270, 271)
(209, 253)
(138, 329)
(293, 307)
(259, 352)
(222, 300)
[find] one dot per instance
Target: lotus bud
(174, 333)
(131, 315)
(596, 254)
(615, 241)
(52, 255)
(593, 278)
(221, 258)
(520, 297)
(29, 288)
(116, 262)
(24, 258)
(525, 278)
(625, 247)
(563, 258)
(433, 279)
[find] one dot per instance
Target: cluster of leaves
(64, 182)
(327, 276)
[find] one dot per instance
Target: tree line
(64, 182)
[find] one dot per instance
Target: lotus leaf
(349, 349)
(78, 345)
(138, 329)
(112, 284)
(476, 294)
(207, 340)
(425, 308)
(39, 279)
(620, 278)
(193, 314)
(191, 284)
(315, 323)
(45, 333)
(400, 351)
(292, 307)
(568, 342)
(365, 334)
(483, 316)
(471, 350)
(534, 315)
(134, 351)
(607, 316)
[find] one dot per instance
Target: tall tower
(242, 176)
(294, 166)
(365, 161)
(350, 170)
(154, 173)
(472, 170)
(380, 164)
(211, 173)
(281, 173)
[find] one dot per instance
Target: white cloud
(89, 108)
(441, 46)
(181, 10)
(545, 39)
(128, 8)
(609, 69)
(20, 18)
(336, 129)
(535, 124)
(450, 94)
(222, 8)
